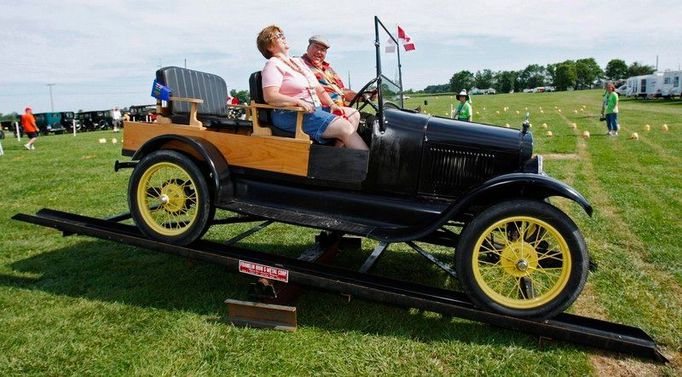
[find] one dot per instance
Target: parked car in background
(69, 121)
(475, 91)
(11, 126)
(7, 125)
(622, 90)
(142, 113)
(95, 120)
(49, 123)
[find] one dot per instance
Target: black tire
(522, 258)
(169, 198)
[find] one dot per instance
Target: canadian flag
(405, 39)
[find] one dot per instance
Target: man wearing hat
(464, 110)
(331, 82)
(28, 122)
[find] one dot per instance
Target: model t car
(475, 187)
(95, 120)
(50, 123)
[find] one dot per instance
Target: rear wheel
(522, 258)
(169, 198)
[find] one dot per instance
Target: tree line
(573, 74)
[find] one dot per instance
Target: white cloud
(115, 46)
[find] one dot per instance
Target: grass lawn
(82, 306)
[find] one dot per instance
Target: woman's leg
(343, 130)
(610, 122)
(352, 115)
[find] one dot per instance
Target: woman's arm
(327, 100)
(273, 97)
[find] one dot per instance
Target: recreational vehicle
(646, 86)
(671, 84)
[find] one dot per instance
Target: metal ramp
(565, 327)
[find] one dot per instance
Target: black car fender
(507, 186)
(218, 169)
(523, 185)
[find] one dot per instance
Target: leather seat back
(195, 84)
(256, 92)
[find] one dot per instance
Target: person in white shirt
(116, 116)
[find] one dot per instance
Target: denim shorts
(314, 124)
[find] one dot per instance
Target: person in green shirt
(464, 110)
(610, 109)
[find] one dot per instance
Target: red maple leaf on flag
(405, 39)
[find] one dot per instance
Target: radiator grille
(450, 171)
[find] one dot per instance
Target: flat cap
(319, 39)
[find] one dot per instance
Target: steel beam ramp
(565, 327)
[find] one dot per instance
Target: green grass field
(82, 306)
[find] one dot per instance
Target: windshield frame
(380, 75)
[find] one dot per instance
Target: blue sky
(104, 54)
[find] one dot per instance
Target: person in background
(289, 82)
(116, 118)
(464, 110)
(609, 109)
(28, 122)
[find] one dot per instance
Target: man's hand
(348, 95)
(335, 109)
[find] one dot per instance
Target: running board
(566, 327)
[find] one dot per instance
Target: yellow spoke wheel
(525, 242)
(522, 258)
(169, 198)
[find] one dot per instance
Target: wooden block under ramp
(255, 314)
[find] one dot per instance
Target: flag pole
(400, 73)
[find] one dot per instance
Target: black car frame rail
(565, 327)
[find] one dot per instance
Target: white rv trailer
(646, 86)
(672, 84)
(632, 83)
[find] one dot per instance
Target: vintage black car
(8, 125)
(95, 120)
(142, 113)
(68, 121)
(476, 187)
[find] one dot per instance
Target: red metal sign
(261, 270)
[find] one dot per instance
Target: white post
(1, 150)
(16, 126)
(73, 124)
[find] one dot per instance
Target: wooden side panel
(282, 155)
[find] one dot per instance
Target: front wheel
(169, 198)
(522, 258)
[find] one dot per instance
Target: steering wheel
(364, 96)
